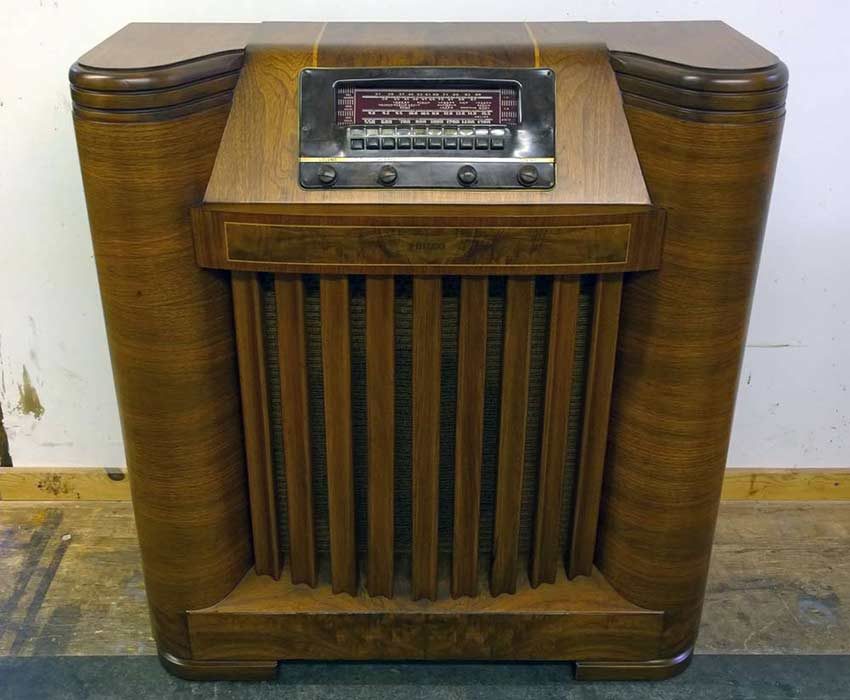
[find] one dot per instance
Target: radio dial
(327, 175)
(387, 175)
(467, 175)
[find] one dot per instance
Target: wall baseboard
(807, 484)
(64, 484)
(111, 484)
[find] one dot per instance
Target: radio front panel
(427, 128)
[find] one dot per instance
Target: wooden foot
(193, 670)
(655, 670)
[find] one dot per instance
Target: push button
(497, 143)
(387, 143)
(420, 142)
(357, 144)
(467, 143)
(373, 143)
(482, 143)
(403, 142)
(435, 143)
(450, 142)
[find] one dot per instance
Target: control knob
(387, 175)
(527, 175)
(327, 175)
(467, 175)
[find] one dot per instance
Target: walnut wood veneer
(639, 266)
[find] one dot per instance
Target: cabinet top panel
(696, 55)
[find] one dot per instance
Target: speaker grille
(403, 316)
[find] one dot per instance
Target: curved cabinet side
(170, 331)
(681, 342)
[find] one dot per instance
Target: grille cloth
(403, 427)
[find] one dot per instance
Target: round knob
(527, 175)
(327, 175)
(387, 175)
(467, 175)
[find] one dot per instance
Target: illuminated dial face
(364, 105)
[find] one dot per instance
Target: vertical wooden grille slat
(380, 408)
(248, 321)
(469, 436)
(600, 374)
(292, 363)
(559, 376)
(427, 303)
(467, 332)
(516, 359)
(336, 369)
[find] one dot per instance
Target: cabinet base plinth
(281, 621)
(193, 670)
(655, 670)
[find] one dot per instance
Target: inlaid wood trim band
(594, 435)
(469, 434)
(418, 159)
(380, 410)
(427, 304)
(339, 456)
(247, 317)
(546, 553)
(438, 250)
(516, 363)
(158, 114)
(153, 99)
(702, 100)
(292, 351)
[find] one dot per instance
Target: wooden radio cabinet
(426, 337)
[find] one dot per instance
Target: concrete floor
(71, 582)
(710, 677)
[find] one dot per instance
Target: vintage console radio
(427, 127)
(426, 336)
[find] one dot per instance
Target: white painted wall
(794, 403)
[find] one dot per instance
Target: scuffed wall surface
(794, 404)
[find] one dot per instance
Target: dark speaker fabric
(448, 391)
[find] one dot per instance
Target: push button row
(450, 143)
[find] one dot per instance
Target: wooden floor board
(71, 582)
(780, 580)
